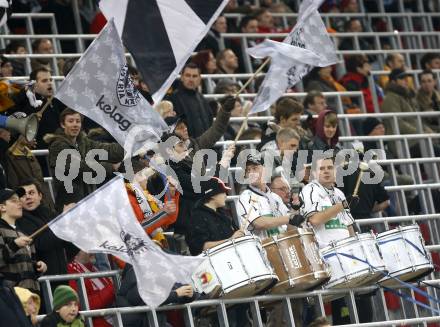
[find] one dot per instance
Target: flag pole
(243, 124)
(42, 110)
(39, 231)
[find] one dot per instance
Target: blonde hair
(285, 134)
(164, 105)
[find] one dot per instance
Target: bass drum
(404, 253)
(296, 259)
(236, 268)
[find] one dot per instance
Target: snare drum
(296, 259)
(404, 253)
(346, 270)
(236, 268)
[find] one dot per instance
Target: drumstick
(363, 166)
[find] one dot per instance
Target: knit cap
(63, 294)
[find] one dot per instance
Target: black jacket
(207, 225)
(48, 247)
(193, 105)
(11, 309)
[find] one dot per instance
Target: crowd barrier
(192, 311)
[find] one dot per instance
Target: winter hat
(369, 124)
(398, 74)
(63, 294)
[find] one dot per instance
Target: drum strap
(414, 288)
(410, 299)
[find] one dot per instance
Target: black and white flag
(161, 34)
(104, 222)
(5, 11)
(307, 45)
(99, 87)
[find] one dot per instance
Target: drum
(236, 268)
(296, 259)
(347, 271)
(404, 253)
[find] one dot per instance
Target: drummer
(261, 211)
(210, 226)
(325, 206)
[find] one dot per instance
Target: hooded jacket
(320, 140)
(59, 142)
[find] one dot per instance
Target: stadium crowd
(200, 220)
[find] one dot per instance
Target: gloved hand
(353, 201)
(296, 219)
(228, 103)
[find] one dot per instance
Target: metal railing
(395, 21)
(219, 307)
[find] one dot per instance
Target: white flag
(105, 222)
(306, 46)
(100, 88)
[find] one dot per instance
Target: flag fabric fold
(5, 11)
(162, 34)
(104, 222)
(99, 87)
(307, 45)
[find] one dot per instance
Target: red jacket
(358, 82)
(98, 299)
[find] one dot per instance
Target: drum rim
(346, 241)
(403, 271)
(229, 243)
(268, 277)
(271, 241)
(397, 230)
(323, 272)
(374, 273)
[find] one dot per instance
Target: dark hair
(319, 322)
(4, 60)
(33, 75)
(36, 44)
(286, 107)
(348, 23)
(427, 72)
(245, 21)
(310, 98)
(355, 61)
(427, 58)
(190, 65)
(201, 59)
(68, 112)
(259, 12)
(13, 46)
(32, 181)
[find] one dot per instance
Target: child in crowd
(31, 303)
(65, 309)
